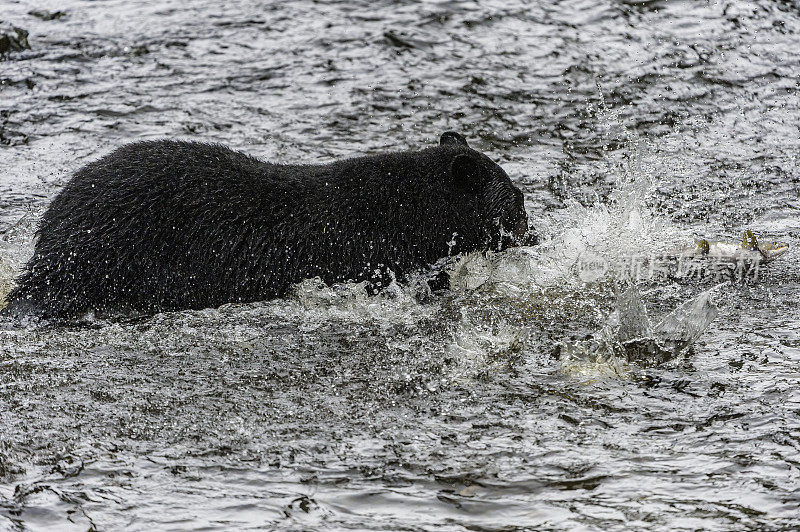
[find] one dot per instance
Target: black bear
(168, 225)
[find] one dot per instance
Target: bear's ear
(451, 138)
(467, 173)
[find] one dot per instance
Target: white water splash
(548, 278)
(623, 226)
(629, 337)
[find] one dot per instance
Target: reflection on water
(632, 127)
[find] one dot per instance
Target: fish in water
(750, 249)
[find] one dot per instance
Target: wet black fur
(165, 225)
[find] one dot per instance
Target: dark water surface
(629, 125)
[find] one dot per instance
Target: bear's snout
(520, 229)
(519, 234)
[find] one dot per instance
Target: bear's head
(497, 202)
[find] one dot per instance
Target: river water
(631, 126)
